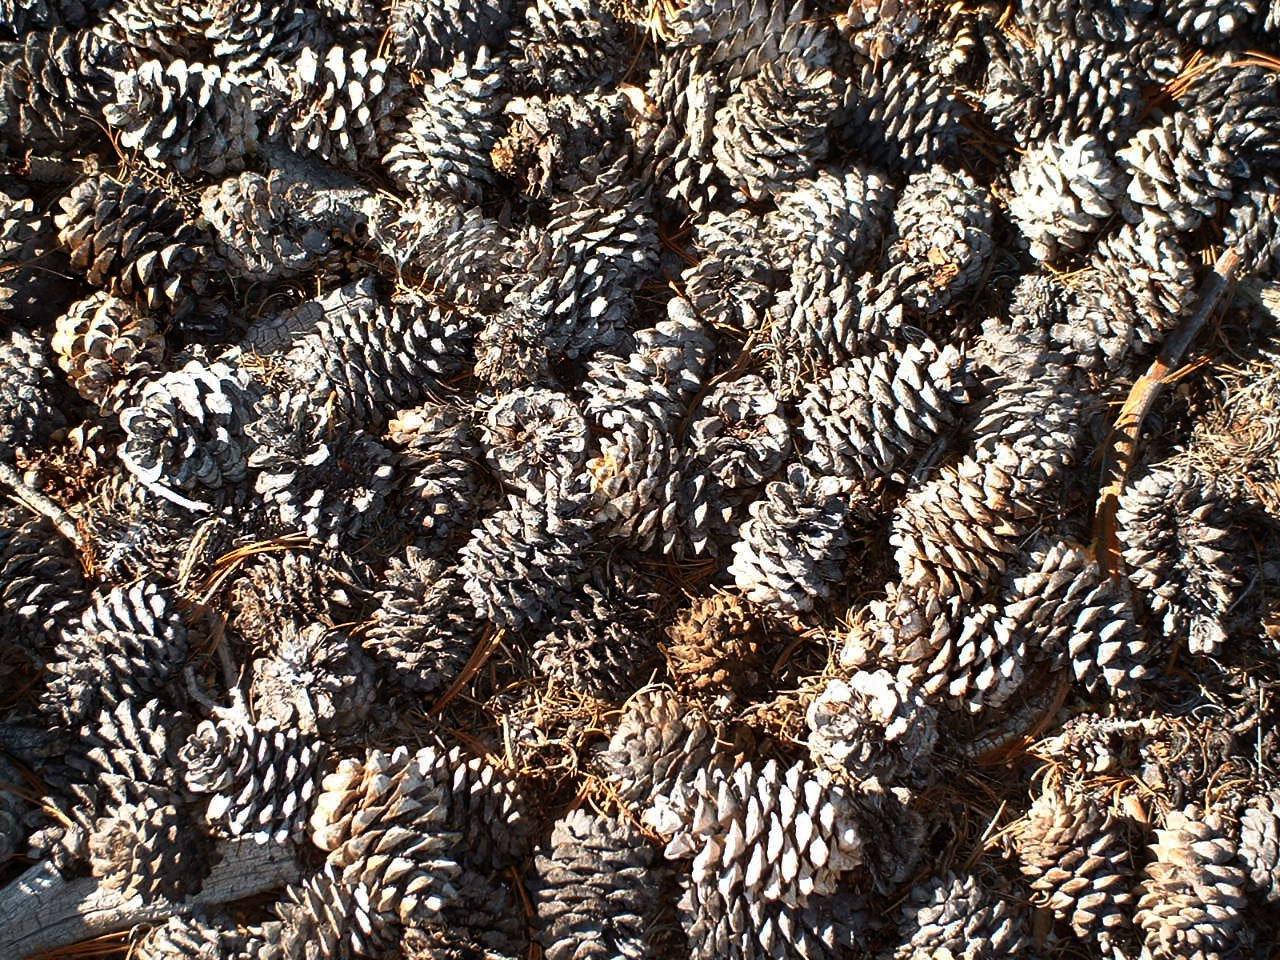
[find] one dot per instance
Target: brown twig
(1121, 456)
(37, 502)
(479, 657)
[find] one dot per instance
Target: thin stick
(37, 502)
(479, 657)
(1138, 403)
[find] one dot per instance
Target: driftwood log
(41, 911)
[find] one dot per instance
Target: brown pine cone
(714, 644)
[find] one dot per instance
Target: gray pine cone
(1177, 546)
(424, 624)
(104, 346)
(635, 482)
(941, 241)
(533, 435)
(185, 431)
(277, 589)
(680, 139)
(850, 205)
(313, 679)
(187, 116)
(956, 915)
(189, 937)
(732, 283)
(132, 240)
(764, 838)
(29, 413)
(1260, 843)
(129, 644)
(443, 145)
(792, 549)
(866, 418)
(260, 780)
(389, 794)
(265, 228)
(51, 86)
(314, 476)
(41, 582)
(247, 34)
(593, 889)
(337, 103)
(567, 46)
(146, 850)
(521, 560)
(601, 643)
(1075, 853)
(817, 321)
(873, 726)
(738, 435)
(424, 36)
(439, 466)
(1061, 192)
(1193, 901)
(375, 358)
(774, 129)
(905, 118)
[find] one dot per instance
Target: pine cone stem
(37, 502)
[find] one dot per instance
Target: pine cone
(865, 419)
(247, 34)
(1076, 855)
(260, 780)
(582, 270)
(668, 366)
(1252, 227)
(156, 29)
(955, 915)
(1223, 128)
(550, 139)
(873, 726)
(657, 750)
(338, 104)
(377, 358)
(792, 549)
(1260, 843)
(265, 227)
(714, 645)
(440, 464)
(52, 85)
(146, 850)
(389, 794)
(314, 679)
(30, 293)
(1061, 192)
(636, 483)
(567, 46)
(520, 561)
(29, 413)
(1177, 546)
(1061, 86)
(129, 644)
(532, 435)
(732, 283)
(763, 838)
(737, 434)
(424, 625)
(183, 937)
(774, 129)
(41, 582)
(906, 119)
(423, 37)
(1210, 23)
(185, 431)
(444, 143)
(512, 348)
(954, 535)
(592, 889)
(849, 207)
(132, 240)
(941, 242)
(600, 643)
(186, 116)
(104, 345)
(1193, 901)
(315, 476)
(277, 589)
(678, 141)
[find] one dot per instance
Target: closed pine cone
(714, 644)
